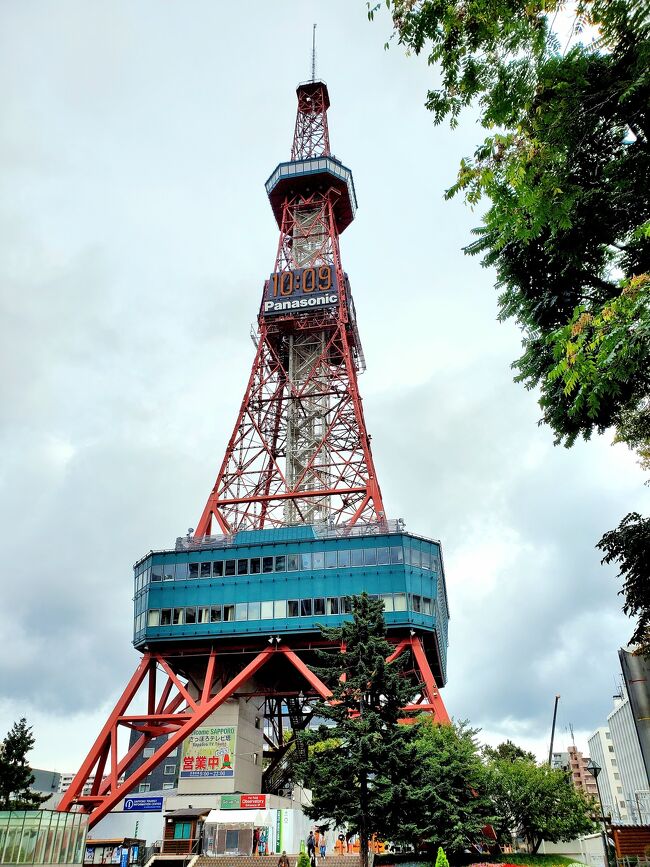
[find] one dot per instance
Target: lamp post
(594, 770)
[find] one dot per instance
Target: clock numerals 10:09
(304, 280)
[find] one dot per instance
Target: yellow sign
(209, 752)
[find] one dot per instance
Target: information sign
(143, 805)
(209, 752)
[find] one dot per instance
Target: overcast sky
(135, 234)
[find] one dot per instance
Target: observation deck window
(280, 608)
(215, 614)
(319, 607)
(383, 556)
(242, 567)
(356, 557)
(229, 567)
(153, 618)
(228, 613)
(193, 570)
(426, 605)
(267, 564)
(190, 615)
(330, 559)
(156, 573)
(166, 617)
(293, 562)
(416, 559)
(168, 572)
(266, 610)
(204, 615)
(387, 599)
(399, 600)
(177, 616)
(318, 560)
(305, 608)
(332, 606)
(205, 571)
(346, 605)
(344, 559)
(254, 611)
(280, 563)
(241, 611)
(426, 560)
(293, 608)
(305, 562)
(217, 568)
(370, 557)
(182, 571)
(396, 554)
(416, 603)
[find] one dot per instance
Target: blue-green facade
(288, 581)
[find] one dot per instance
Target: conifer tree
(15, 773)
(364, 782)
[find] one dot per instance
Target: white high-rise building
(610, 785)
(627, 751)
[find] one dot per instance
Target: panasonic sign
(301, 290)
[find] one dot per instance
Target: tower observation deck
(228, 619)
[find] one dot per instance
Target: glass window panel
(396, 554)
(177, 616)
(156, 573)
(241, 611)
(305, 561)
(356, 557)
(330, 560)
(293, 608)
(229, 567)
(370, 556)
(205, 570)
(253, 610)
(344, 558)
(280, 563)
(168, 572)
(153, 618)
(400, 601)
(182, 571)
(332, 605)
(166, 617)
(434, 562)
(293, 562)
(267, 564)
(346, 605)
(228, 613)
(387, 599)
(266, 610)
(204, 615)
(305, 607)
(280, 608)
(190, 615)
(426, 560)
(407, 554)
(426, 605)
(318, 560)
(319, 607)
(194, 570)
(416, 603)
(217, 568)
(416, 559)
(242, 567)
(255, 565)
(383, 556)
(215, 614)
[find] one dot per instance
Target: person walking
(323, 846)
(311, 845)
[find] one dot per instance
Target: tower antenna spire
(313, 54)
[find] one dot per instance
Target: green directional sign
(230, 802)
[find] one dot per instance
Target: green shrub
(441, 858)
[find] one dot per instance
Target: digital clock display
(300, 290)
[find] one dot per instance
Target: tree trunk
(536, 845)
(363, 846)
(363, 823)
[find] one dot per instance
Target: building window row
(275, 609)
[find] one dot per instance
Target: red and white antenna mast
(300, 452)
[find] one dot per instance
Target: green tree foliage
(538, 803)
(364, 780)
(629, 546)
(15, 774)
(449, 798)
(565, 170)
(441, 858)
(508, 751)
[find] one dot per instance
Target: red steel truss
(178, 709)
(299, 451)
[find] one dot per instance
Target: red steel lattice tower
(300, 451)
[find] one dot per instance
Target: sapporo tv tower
(228, 620)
